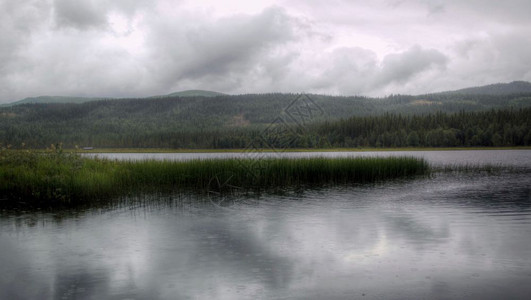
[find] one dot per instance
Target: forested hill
(181, 121)
(507, 127)
(243, 110)
(53, 99)
(194, 118)
(66, 99)
(193, 93)
(515, 87)
(489, 128)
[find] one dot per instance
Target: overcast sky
(123, 48)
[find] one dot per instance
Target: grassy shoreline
(56, 176)
(162, 150)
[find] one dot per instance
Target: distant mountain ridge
(53, 99)
(67, 99)
(515, 87)
(195, 93)
(497, 89)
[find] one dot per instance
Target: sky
(135, 48)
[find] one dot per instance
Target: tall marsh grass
(57, 176)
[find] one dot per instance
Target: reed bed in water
(65, 177)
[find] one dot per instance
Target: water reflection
(517, 158)
(447, 237)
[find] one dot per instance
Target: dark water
(453, 236)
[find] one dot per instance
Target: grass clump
(54, 175)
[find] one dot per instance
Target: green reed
(65, 177)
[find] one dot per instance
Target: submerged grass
(56, 176)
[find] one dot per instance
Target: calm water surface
(453, 236)
(505, 157)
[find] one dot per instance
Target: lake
(505, 157)
(450, 236)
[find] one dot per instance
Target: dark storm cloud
(92, 14)
(220, 49)
(509, 12)
(79, 14)
(18, 21)
(358, 70)
(237, 43)
(493, 58)
(400, 68)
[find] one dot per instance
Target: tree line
(509, 127)
(496, 127)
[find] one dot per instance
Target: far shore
(183, 150)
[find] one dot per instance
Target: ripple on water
(440, 237)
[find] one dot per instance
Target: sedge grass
(67, 177)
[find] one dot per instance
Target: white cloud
(140, 47)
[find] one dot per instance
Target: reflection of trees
(415, 231)
(84, 281)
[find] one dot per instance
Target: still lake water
(506, 157)
(452, 236)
